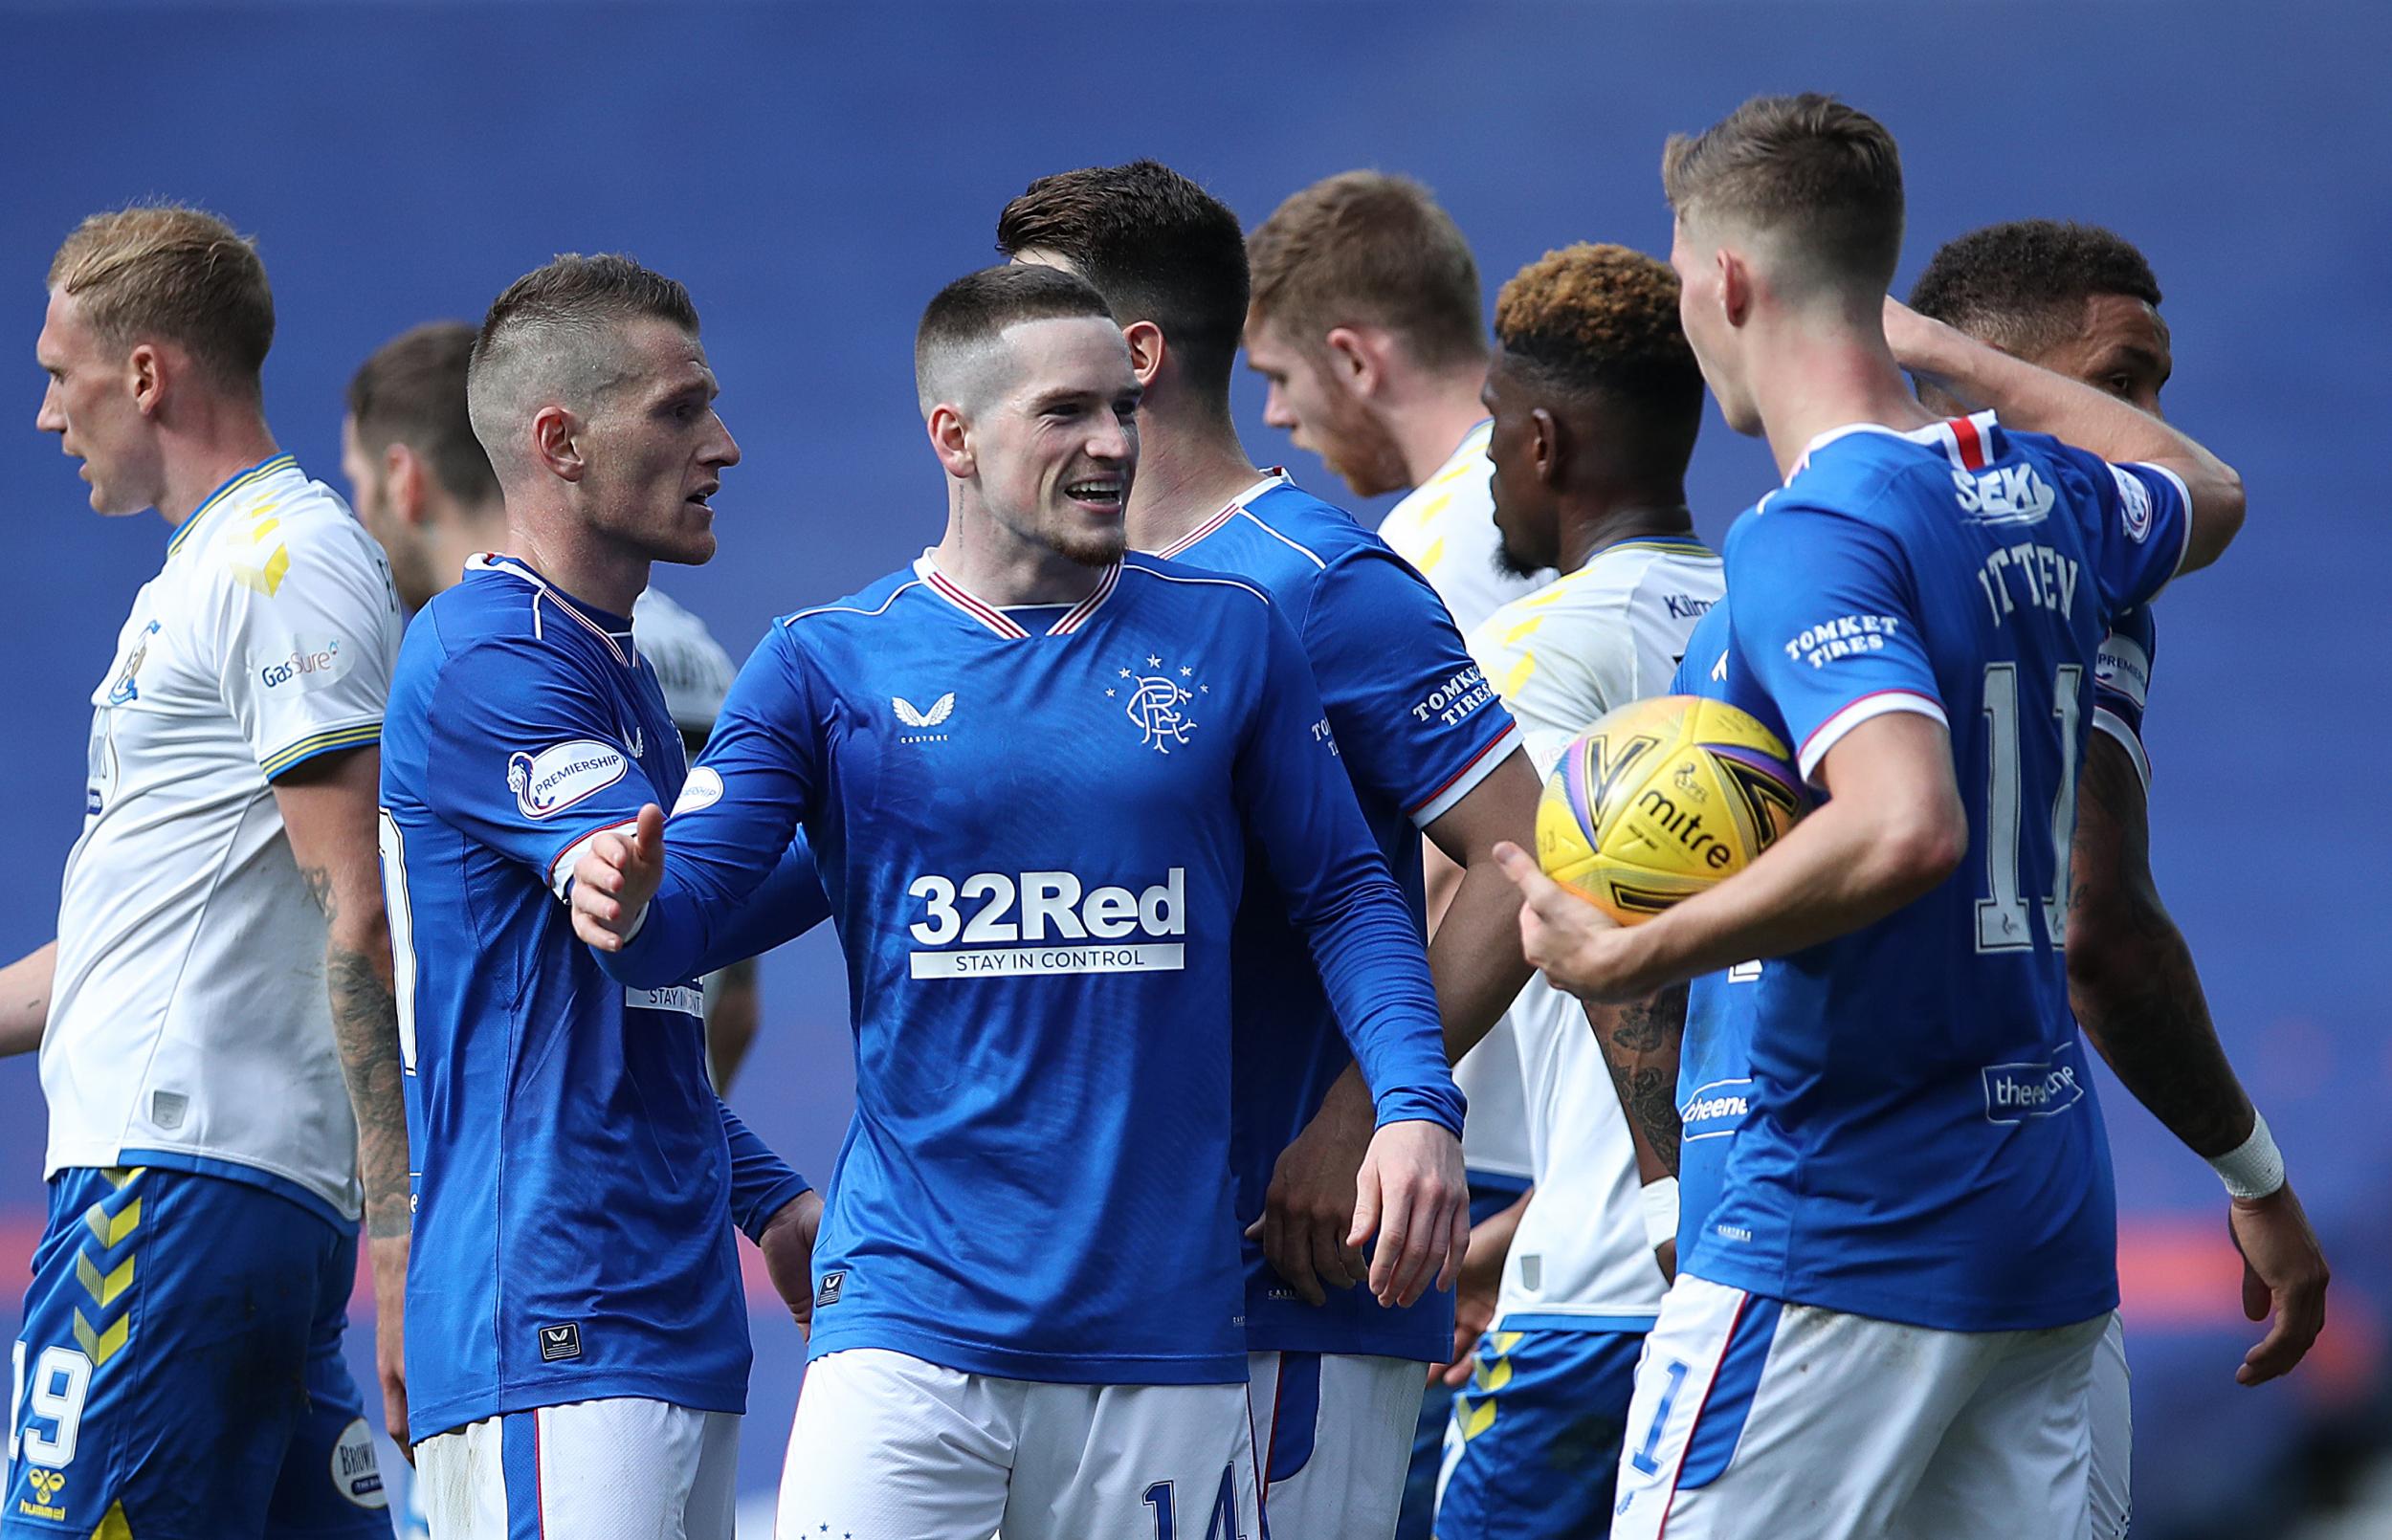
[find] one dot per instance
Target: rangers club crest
(1156, 699)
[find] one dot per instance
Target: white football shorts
(888, 1447)
(615, 1469)
(2111, 1422)
(1755, 1419)
(1332, 1437)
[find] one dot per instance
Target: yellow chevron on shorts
(111, 1229)
(103, 1288)
(121, 1177)
(102, 1346)
(1472, 1418)
(114, 1527)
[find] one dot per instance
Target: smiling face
(1305, 398)
(654, 447)
(93, 404)
(1052, 426)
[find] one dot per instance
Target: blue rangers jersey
(1417, 727)
(1923, 1144)
(1715, 1080)
(578, 1181)
(1032, 825)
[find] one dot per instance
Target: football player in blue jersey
(1337, 1374)
(1888, 1324)
(1034, 770)
(2082, 302)
(577, 1330)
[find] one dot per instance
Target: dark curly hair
(2023, 286)
(1589, 319)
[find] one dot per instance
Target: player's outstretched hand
(1579, 947)
(2282, 1271)
(1412, 1195)
(615, 879)
(789, 1248)
(1308, 1209)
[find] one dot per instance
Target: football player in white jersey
(1365, 327)
(1596, 401)
(422, 485)
(222, 957)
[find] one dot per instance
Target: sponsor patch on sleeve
(553, 780)
(2133, 504)
(702, 789)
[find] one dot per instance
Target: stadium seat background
(814, 173)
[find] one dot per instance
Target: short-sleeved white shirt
(1609, 633)
(1446, 529)
(189, 1025)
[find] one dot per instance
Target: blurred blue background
(814, 173)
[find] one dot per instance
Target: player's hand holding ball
(615, 879)
(1655, 803)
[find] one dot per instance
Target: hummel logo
(940, 710)
(560, 1342)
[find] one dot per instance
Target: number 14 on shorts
(1221, 1524)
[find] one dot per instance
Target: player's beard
(1361, 453)
(1098, 547)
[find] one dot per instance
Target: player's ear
(403, 483)
(1545, 447)
(145, 376)
(1735, 287)
(950, 439)
(555, 443)
(1353, 362)
(1146, 350)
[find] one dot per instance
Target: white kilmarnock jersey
(188, 1026)
(1446, 529)
(1609, 633)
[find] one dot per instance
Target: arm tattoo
(365, 1030)
(365, 1026)
(2132, 977)
(1640, 1045)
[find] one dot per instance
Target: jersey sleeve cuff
(2126, 737)
(331, 740)
(1876, 703)
(1441, 1104)
(776, 1197)
(2184, 497)
(1465, 780)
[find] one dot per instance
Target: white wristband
(2252, 1168)
(1660, 1212)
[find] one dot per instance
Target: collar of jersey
(240, 478)
(1945, 435)
(1273, 479)
(996, 619)
(618, 641)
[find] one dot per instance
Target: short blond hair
(1826, 176)
(173, 273)
(1365, 247)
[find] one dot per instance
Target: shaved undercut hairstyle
(412, 393)
(556, 333)
(1599, 325)
(173, 274)
(2023, 287)
(1823, 178)
(964, 323)
(1365, 247)
(1156, 245)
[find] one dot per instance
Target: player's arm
(779, 1210)
(1474, 956)
(25, 986)
(732, 1015)
(2134, 990)
(656, 911)
(2042, 402)
(1298, 806)
(1872, 732)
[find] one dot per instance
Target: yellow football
(1662, 799)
